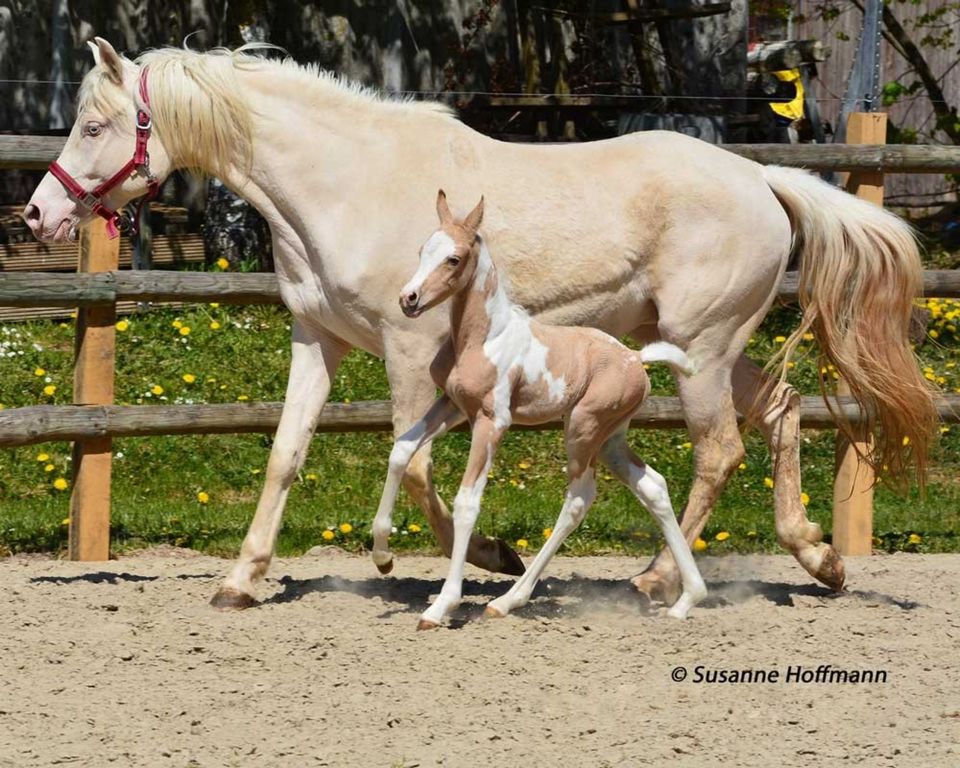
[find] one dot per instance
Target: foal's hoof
(425, 624)
(492, 613)
(831, 571)
(664, 589)
(510, 562)
(229, 599)
(386, 567)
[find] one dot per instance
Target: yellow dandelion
(43, 457)
(214, 326)
(791, 364)
(906, 440)
(48, 468)
(49, 389)
(944, 430)
(741, 465)
(722, 536)
(914, 539)
(699, 545)
(523, 465)
(309, 477)
(242, 398)
(203, 497)
(808, 337)
(122, 325)
(61, 484)
(933, 333)
(414, 528)
(327, 535)
(929, 376)
(65, 521)
(156, 389)
(345, 528)
(185, 331)
(687, 445)
(215, 304)
(779, 339)
(547, 533)
(177, 324)
(804, 498)
(752, 534)
(768, 481)
(39, 372)
(522, 543)
(222, 263)
(189, 378)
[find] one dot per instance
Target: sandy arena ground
(124, 663)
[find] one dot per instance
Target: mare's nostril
(412, 298)
(31, 215)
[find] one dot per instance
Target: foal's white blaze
(435, 251)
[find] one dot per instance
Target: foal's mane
(201, 114)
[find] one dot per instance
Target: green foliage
(157, 480)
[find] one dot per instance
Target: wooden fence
(94, 421)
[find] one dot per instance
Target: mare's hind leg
(708, 407)
(776, 411)
(651, 490)
(412, 391)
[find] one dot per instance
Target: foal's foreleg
(651, 490)
(776, 410)
(316, 356)
(466, 507)
(442, 415)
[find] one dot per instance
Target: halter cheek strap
(140, 162)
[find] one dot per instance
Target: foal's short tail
(663, 352)
(859, 273)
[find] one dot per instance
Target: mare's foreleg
(775, 407)
(315, 358)
(466, 507)
(442, 415)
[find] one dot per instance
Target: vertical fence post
(854, 479)
(93, 385)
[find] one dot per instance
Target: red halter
(139, 162)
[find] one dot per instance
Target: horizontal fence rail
(37, 152)
(46, 423)
(39, 289)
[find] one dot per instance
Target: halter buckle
(144, 120)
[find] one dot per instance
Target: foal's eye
(93, 129)
(453, 261)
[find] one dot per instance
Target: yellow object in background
(791, 110)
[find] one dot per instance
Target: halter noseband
(117, 221)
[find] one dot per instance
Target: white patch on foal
(510, 343)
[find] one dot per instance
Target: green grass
(157, 480)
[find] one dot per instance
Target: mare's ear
(472, 222)
(105, 54)
(443, 210)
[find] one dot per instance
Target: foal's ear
(474, 218)
(106, 54)
(443, 210)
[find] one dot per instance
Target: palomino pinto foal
(501, 366)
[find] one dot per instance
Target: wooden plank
(89, 537)
(33, 256)
(899, 158)
(854, 479)
(38, 289)
(20, 314)
(47, 423)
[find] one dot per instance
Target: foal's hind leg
(651, 490)
(776, 411)
(712, 421)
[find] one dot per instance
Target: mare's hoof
(386, 567)
(492, 613)
(510, 562)
(658, 588)
(425, 624)
(831, 571)
(228, 599)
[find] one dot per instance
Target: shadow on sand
(561, 597)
